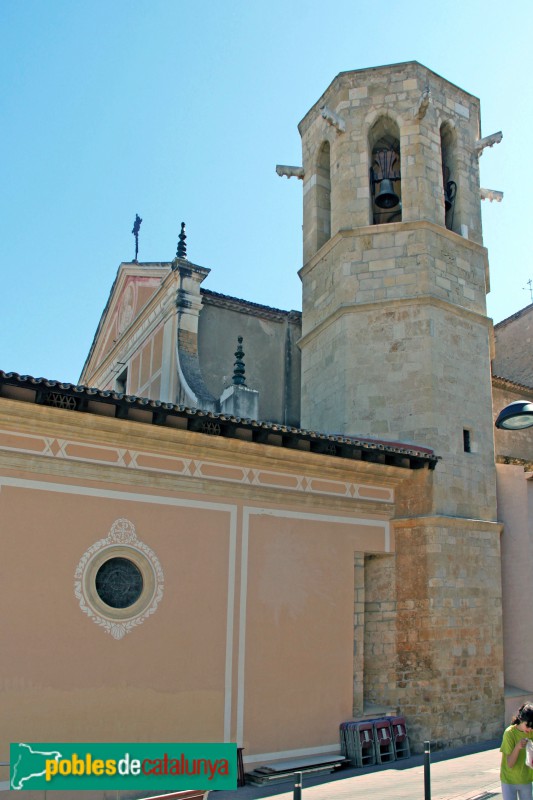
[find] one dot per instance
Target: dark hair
(524, 714)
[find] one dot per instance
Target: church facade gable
(166, 338)
(134, 287)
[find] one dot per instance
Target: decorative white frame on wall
(121, 542)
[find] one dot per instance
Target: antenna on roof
(135, 231)
(530, 284)
(181, 252)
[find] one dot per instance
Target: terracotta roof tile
(76, 397)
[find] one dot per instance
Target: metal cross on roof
(135, 231)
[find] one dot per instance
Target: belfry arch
(323, 195)
(385, 172)
(448, 140)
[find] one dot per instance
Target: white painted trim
(305, 751)
(250, 476)
(242, 625)
(122, 540)
(228, 687)
(135, 497)
(22, 483)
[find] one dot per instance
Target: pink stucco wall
(515, 510)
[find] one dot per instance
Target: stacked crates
(399, 737)
(367, 742)
(357, 742)
(365, 745)
(383, 739)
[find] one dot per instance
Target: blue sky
(180, 111)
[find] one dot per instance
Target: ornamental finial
(181, 252)
(238, 367)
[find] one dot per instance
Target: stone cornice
(350, 308)
(29, 424)
(391, 228)
(113, 412)
(436, 521)
(345, 78)
(146, 480)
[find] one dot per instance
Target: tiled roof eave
(254, 309)
(505, 383)
(504, 322)
(70, 397)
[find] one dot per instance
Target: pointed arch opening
(323, 195)
(385, 172)
(448, 139)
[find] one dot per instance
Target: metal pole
(427, 777)
(297, 794)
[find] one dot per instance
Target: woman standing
(515, 775)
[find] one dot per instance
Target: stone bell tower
(396, 345)
(395, 340)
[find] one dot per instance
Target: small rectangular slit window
(466, 441)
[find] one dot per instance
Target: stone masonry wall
(380, 630)
(359, 634)
(379, 264)
(449, 637)
(409, 372)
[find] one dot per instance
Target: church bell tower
(396, 346)
(395, 340)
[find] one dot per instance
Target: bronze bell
(450, 190)
(386, 197)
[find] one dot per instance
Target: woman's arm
(511, 758)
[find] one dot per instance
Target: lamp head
(516, 416)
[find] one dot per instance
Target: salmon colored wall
(257, 550)
(299, 677)
(67, 678)
(515, 508)
(157, 354)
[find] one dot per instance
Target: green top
(520, 773)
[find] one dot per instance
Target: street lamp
(516, 416)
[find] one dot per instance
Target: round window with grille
(119, 580)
